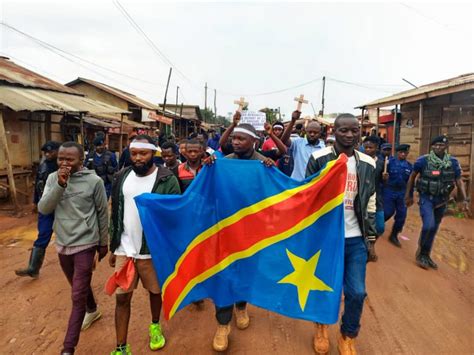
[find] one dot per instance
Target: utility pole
(176, 107)
(322, 99)
(205, 101)
(215, 105)
(166, 91)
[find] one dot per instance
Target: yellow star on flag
(303, 277)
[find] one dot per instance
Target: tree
(208, 117)
(272, 114)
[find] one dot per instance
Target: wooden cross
(241, 103)
(300, 101)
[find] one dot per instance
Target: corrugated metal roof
(22, 99)
(116, 92)
(116, 121)
(14, 74)
(463, 82)
(190, 112)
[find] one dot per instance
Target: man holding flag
(359, 228)
(129, 249)
(257, 236)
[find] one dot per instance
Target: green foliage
(272, 114)
(208, 117)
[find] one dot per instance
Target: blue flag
(246, 232)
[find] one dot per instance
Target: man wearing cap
(244, 138)
(45, 221)
(435, 174)
(128, 243)
(395, 183)
(302, 148)
(103, 162)
(385, 151)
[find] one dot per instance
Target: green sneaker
(157, 340)
(124, 350)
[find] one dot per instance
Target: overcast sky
(246, 48)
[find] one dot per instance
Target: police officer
(396, 178)
(103, 162)
(45, 222)
(438, 173)
(385, 151)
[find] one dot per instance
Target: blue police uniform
(434, 186)
(45, 222)
(105, 166)
(394, 193)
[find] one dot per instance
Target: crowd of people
(74, 193)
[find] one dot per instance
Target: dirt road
(408, 310)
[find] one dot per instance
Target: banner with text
(256, 119)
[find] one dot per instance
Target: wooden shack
(441, 108)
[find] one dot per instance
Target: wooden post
(121, 135)
(471, 171)
(81, 122)
(420, 129)
(394, 130)
(377, 126)
(11, 177)
(47, 126)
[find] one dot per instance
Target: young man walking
(244, 138)
(395, 184)
(188, 170)
(127, 239)
(360, 231)
(169, 154)
(77, 198)
(45, 222)
(437, 172)
(371, 144)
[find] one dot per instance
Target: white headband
(246, 131)
(279, 125)
(143, 145)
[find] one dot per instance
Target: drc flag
(246, 232)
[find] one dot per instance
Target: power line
(275, 91)
(365, 86)
(39, 41)
(147, 39)
(63, 54)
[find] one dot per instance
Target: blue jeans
(431, 210)
(379, 222)
(355, 261)
(394, 203)
(45, 230)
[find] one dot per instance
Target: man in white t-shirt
(359, 223)
(127, 238)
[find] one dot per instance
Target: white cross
(241, 103)
(300, 101)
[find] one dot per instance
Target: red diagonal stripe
(252, 229)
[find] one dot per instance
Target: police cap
(440, 139)
(50, 146)
(403, 148)
(386, 146)
(98, 141)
